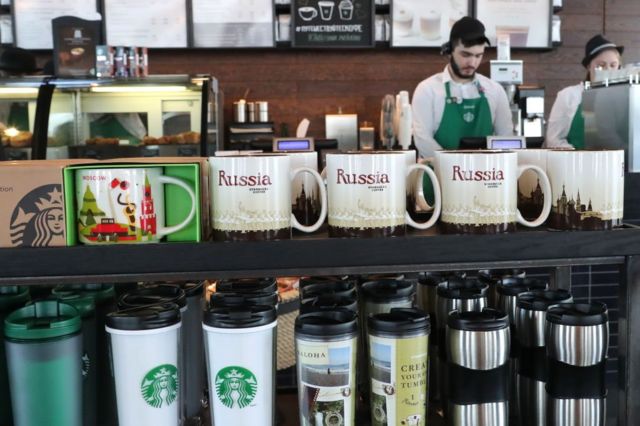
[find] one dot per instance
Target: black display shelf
(316, 254)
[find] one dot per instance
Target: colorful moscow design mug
(368, 194)
(125, 205)
(587, 187)
(251, 197)
(480, 191)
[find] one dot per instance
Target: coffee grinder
(530, 100)
(509, 73)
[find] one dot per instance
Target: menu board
(32, 19)
(333, 23)
(528, 22)
(148, 23)
(233, 23)
(425, 23)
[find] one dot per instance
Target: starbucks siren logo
(236, 387)
(160, 386)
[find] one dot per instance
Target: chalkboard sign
(333, 23)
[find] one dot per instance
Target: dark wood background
(311, 83)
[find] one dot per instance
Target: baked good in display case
(102, 141)
(177, 139)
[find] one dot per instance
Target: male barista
(458, 102)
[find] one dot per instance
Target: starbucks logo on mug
(160, 386)
(236, 387)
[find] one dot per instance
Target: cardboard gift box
(31, 203)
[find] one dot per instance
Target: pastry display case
(159, 115)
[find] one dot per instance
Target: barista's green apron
(461, 118)
(576, 131)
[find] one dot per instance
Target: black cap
(467, 288)
(400, 320)
(247, 285)
(327, 323)
(492, 275)
(540, 300)
(383, 291)
(338, 288)
(17, 60)
(192, 289)
(144, 317)
(153, 295)
(468, 29)
(326, 302)
(486, 320)
(595, 46)
(219, 300)
(239, 316)
(580, 314)
(513, 286)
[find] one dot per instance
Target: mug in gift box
(367, 194)
(480, 191)
(587, 189)
(251, 197)
(125, 205)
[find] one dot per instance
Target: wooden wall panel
(311, 83)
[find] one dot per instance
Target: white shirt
(564, 109)
(429, 101)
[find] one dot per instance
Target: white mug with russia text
(588, 188)
(480, 191)
(251, 197)
(125, 205)
(367, 194)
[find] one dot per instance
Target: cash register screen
(506, 144)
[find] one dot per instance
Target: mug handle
(437, 204)
(546, 191)
(163, 231)
(421, 201)
(323, 201)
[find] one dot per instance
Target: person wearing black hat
(459, 102)
(566, 123)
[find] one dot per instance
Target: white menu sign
(527, 22)
(33, 19)
(233, 23)
(424, 22)
(148, 23)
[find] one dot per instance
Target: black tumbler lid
(239, 316)
(219, 300)
(513, 286)
(247, 285)
(147, 317)
(432, 279)
(328, 302)
(400, 320)
(327, 323)
(338, 288)
(382, 291)
(486, 320)
(581, 314)
(540, 300)
(305, 281)
(192, 289)
(153, 295)
(462, 288)
(492, 275)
